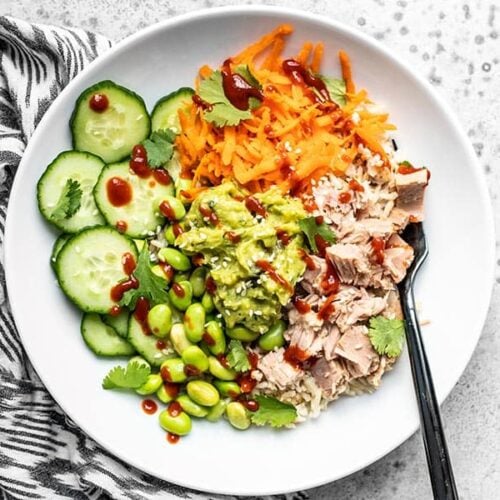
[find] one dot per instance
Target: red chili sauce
(300, 75)
(308, 260)
(119, 191)
(295, 356)
(139, 162)
(232, 237)
(330, 283)
(274, 275)
(121, 226)
(210, 215)
(173, 438)
(178, 290)
(237, 89)
(255, 206)
(301, 305)
(99, 103)
(211, 286)
(378, 247)
(149, 406)
(141, 314)
(327, 308)
(167, 210)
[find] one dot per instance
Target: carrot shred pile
(291, 138)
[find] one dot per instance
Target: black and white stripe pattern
(42, 453)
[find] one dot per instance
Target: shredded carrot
(291, 139)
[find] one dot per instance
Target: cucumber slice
(78, 166)
(58, 244)
(141, 215)
(102, 339)
(90, 264)
(145, 345)
(164, 113)
(112, 133)
(118, 323)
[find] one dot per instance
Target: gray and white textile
(42, 453)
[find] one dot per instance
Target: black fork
(438, 460)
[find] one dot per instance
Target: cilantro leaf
(311, 229)
(237, 357)
(69, 202)
(336, 88)
(151, 286)
(273, 412)
(387, 335)
(222, 112)
(159, 147)
(131, 377)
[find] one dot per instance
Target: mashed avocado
(244, 240)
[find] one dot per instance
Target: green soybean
(228, 389)
(274, 337)
(172, 370)
(178, 338)
(152, 384)
(194, 356)
(238, 416)
(197, 279)
(194, 322)
(215, 338)
(207, 302)
(163, 395)
(179, 424)
(192, 408)
(175, 258)
(181, 185)
(241, 333)
(169, 235)
(219, 371)
(160, 320)
(181, 295)
(178, 277)
(177, 210)
(158, 270)
(202, 392)
(216, 411)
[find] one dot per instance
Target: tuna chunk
(349, 260)
(312, 277)
(277, 371)
(355, 346)
(330, 342)
(393, 309)
(361, 231)
(399, 218)
(306, 339)
(398, 256)
(330, 376)
(411, 188)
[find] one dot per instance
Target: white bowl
(454, 287)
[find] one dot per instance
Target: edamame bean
(194, 356)
(228, 389)
(217, 411)
(182, 184)
(207, 302)
(190, 407)
(241, 333)
(152, 384)
(214, 338)
(140, 361)
(181, 295)
(175, 258)
(238, 416)
(202, 392)
(179, 424)
(158, 270)
(164, 395)
(178, 277)
(219, 371)
(273, 338)
(160, 320)
(197, 280)
(172, 370)
(169, 235)
(194, 322)
(174, 208)
(178, 338)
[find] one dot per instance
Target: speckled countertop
(456, 46)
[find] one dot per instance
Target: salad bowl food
(228, 225)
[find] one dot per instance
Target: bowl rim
(290, 13)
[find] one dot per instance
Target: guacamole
(252, 248)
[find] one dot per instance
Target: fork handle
(438, 460)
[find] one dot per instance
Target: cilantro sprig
(69, 202)
(237, 357)
(159, 147)
(387, 335)
(151, 286)
(131, 377)
(337, 89)
(273, 412)
(222, 112)
(311, 229)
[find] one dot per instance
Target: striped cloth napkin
(42, 453)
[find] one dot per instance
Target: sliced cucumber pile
(54, 200)
(90, 264)
(118, 323)
(165, 112)
(102, 339)
(110, 133)
(141, 215)
(146, 345)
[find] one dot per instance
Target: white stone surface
(455, 46)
